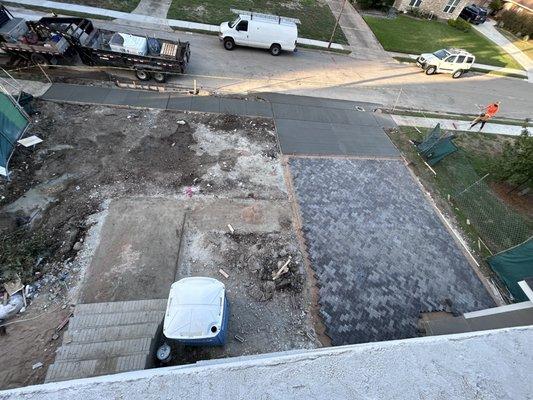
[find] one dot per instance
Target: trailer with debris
(69, 40)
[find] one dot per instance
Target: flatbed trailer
(51, 39)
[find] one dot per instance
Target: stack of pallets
(169, 49)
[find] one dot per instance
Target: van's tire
(457, 74)
(159, 77)
(142, 75)
(275, 49)
(229, 44)
(37, 58)
(431, 70)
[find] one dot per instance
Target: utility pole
(336, 23)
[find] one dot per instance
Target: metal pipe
(336, 24)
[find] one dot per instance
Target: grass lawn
(117, 5)
(525, 45)
(414, 36)
(316, 17)
(498, 221)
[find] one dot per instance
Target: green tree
(515, 165)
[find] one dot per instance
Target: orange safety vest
(492, 110)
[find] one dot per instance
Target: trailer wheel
(275, 49)
(159, 77)
(229, 44)
(142, 75)
(37, 58)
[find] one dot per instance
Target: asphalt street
(348, 77)
(332, 75)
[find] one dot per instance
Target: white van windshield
(233, 23)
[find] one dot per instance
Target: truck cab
(474, 14)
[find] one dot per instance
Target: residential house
(444, 9)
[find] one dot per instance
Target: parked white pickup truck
(450, 61)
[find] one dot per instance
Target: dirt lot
(110, 189)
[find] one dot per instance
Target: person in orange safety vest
(490, 111)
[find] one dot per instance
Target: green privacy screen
(12, 125)
(436, 146)
(514, 265)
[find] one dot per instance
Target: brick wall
(437, 6)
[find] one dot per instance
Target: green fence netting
(13, 123)
(436, 146)
(513, 266)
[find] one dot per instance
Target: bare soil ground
(96, 162)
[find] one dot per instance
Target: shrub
(496, 5)
(517, 22)
(375, 4)
(418, 13)
(515, 165)
(460, 24)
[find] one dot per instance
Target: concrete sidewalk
(456, 125)
(149, 20)
(359, 35)
(483, 67)
(489, 30)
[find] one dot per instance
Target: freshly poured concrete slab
(76, 93)
(309, 113)
(362, 118)
(314, 101)
(384, 120)
(179, 102)
(259, 109)
(232, 106)
(116, 97)
(305, 137)
(205, 104)
(59, 91)
(151, 100)
(89, 94)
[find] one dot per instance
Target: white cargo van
(259, 30)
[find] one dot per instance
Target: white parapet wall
(480, 365)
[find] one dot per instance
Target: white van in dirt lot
(259, 30)
(450, 61)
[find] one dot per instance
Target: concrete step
(61, 371)
(109, 333)
(122, 306)
(82, 321)
(90, 351)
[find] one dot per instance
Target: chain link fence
(500, 226)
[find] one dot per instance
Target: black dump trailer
(51, 39)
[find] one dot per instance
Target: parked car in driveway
(474, 14)
(260, 30)
(449, 61)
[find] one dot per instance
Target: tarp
(436, 146)
(13, 123)
(514, 265)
